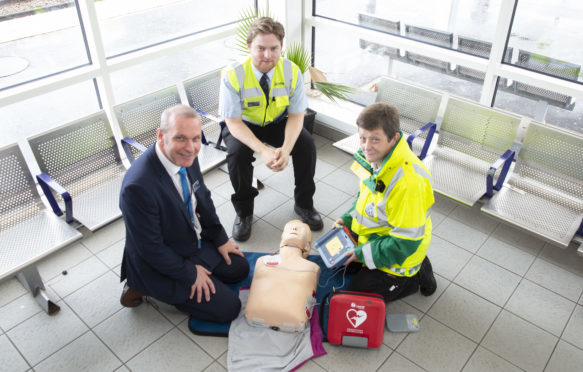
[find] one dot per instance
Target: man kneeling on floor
(176, 249)
(391, 216)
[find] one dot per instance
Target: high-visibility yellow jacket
(257, 110)
(392, 213)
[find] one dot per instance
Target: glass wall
(34, 44)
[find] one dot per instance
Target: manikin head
(297, 234)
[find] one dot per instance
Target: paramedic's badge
(369, 209)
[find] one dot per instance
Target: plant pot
(309, 119)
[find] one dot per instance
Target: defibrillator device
(333, 246)
(354, 318)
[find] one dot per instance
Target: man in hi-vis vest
(263, 100)
(391, 216)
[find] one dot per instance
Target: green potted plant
(298, 54)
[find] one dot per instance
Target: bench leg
(31, 280)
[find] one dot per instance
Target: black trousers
(224, 305)
(240, 159)
(389, 286)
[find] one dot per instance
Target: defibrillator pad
(333, 246)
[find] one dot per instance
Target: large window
(35, 43)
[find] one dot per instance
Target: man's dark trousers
(240, 159)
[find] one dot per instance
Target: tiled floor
(505, 301)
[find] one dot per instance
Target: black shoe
(427, 283)
(311, 217)
(242, 228)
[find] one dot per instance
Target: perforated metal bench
(430, 36)
(479, 48)
(383, 25)
(28, 230)
(553, 67)
(81, 159)
(139, 118)
(472, 139)
(544, 193)
(418, 109)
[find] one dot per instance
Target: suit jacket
(161, 246)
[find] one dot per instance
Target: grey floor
(505, 301)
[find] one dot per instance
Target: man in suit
(176, 249)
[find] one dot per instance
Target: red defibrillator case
(356, 319)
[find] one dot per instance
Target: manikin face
(265, 50)
(299, 233)
(181, 141)
(375, 144)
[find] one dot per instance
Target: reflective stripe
(422, 172)
(367, 222)
(409, 232)
(240, 74)
(251, 92)
(381, 207)
(367, 253)
(402, 271)
(279, 92)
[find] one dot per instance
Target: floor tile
(444, 204)
(18, 311)
(507, 256)
(521, 343)
(556, 279)
(540, 306)
(78, 276)
(323, 169)
(567, 258)
(223, 360)
(264, 238)
(487, 280)
(282, 181)
(352, 359)
(446, 258)
(267, 200)
(215, 178)
(122, 369)
(332, 155)
(472, 216)
(227, 215)
(10, 358)
(215, 367)
(485, 361)
(63, 259)
(343, 180)
(87, 353)
(214, 346)
(112, 255)
(436, 347)
(574, 330)
(10, 289)
(341, 209)
(397, 362)
(394, 339)
(131, 330)
(225, 190)
(460, 234)
(173, 352)
(566, 357)
(218, 200)
(328, 198)
(97, 300)
(170, 312)
(437, 218)
(43, 334)
(465, 312)
(423, 303)
(281, 215)
(105, 236)
(518, 239)
(320, 141)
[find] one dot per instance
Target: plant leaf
(298, 55)
(333, 90)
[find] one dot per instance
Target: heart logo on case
(356, 317)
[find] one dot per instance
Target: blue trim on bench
(431, 127)
(215, 119)
(126, 143)
(47, 183)
(505, 159)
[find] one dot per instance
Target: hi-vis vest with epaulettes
(400, 208)
(256, 109)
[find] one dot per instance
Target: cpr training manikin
(283, 290)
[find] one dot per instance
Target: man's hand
(229, 247)
(351, 258)
(280, 161)
(203, 283)
(268, 157)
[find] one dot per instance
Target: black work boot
(427, 283)
(242, 228)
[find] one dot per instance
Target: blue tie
(186, 192)
(265, 86)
